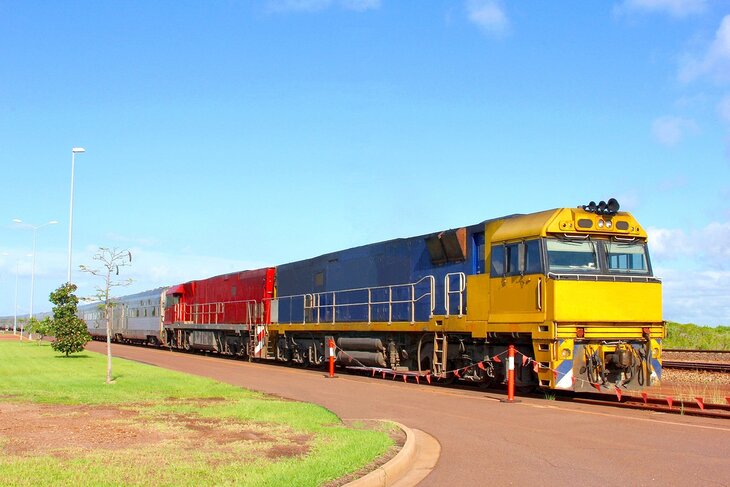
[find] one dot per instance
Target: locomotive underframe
(549, 355)
(407, 352)
(224, 339)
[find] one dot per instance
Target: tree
(41, 328)
(110, 260)
(69, 330)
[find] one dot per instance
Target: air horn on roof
(603, 208)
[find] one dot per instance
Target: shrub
(69, 330)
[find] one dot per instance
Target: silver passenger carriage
(134, 318)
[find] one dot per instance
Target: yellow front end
(588, 301)
(602, 335)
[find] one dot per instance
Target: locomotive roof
(562, 221)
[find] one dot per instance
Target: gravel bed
(680, 376)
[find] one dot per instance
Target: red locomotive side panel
(237, 298)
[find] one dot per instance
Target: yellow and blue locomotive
(571, 288)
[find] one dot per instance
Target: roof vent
(448, 246)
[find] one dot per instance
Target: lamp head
(78, 150)
(612, 206)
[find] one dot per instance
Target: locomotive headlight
(565, 353)
(609, 224)
(601, 223)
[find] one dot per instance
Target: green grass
(29, 373)
(697, 337)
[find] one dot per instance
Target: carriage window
(572, 256)
(626, 257)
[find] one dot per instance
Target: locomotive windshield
(571, 256)
(597, 257)
(626, 257)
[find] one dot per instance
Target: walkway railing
(459, 291)
(249, 311)
(363, 303)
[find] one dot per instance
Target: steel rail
(687, 365)
(691, 350)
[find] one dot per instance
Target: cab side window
(513, 259)
(497, 261)
(533, 261)
(516, 259)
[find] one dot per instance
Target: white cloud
(670, 130)
(674, 8)
(694, 265)
(709, 244)
(695, 296)
(715, 62)
(715, 244)
(286, 6)
(489, 16)
(152, 269)
(668, 243)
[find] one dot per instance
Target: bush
(41, 328)
(69, 330)
(692, 336)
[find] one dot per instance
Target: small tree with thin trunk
(68, 329)
(42, 328)
(110, 261)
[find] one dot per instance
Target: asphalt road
(485, 441)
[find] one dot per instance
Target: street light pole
(15, 308)
(32, 274)
(74, 151)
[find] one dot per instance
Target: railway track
(704, 366)
(691, 350)
(702, 360)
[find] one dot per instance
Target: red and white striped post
(332, 358)
(511, 373)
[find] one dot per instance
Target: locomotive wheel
(426, 356)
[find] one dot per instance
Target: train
(571, 289)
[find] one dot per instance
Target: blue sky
(232, 134)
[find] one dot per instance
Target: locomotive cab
(581, 281)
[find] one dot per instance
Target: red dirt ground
(28, 429)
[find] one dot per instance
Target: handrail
(448, 291)
(306, 298)
(313, 302)
(213, 313)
